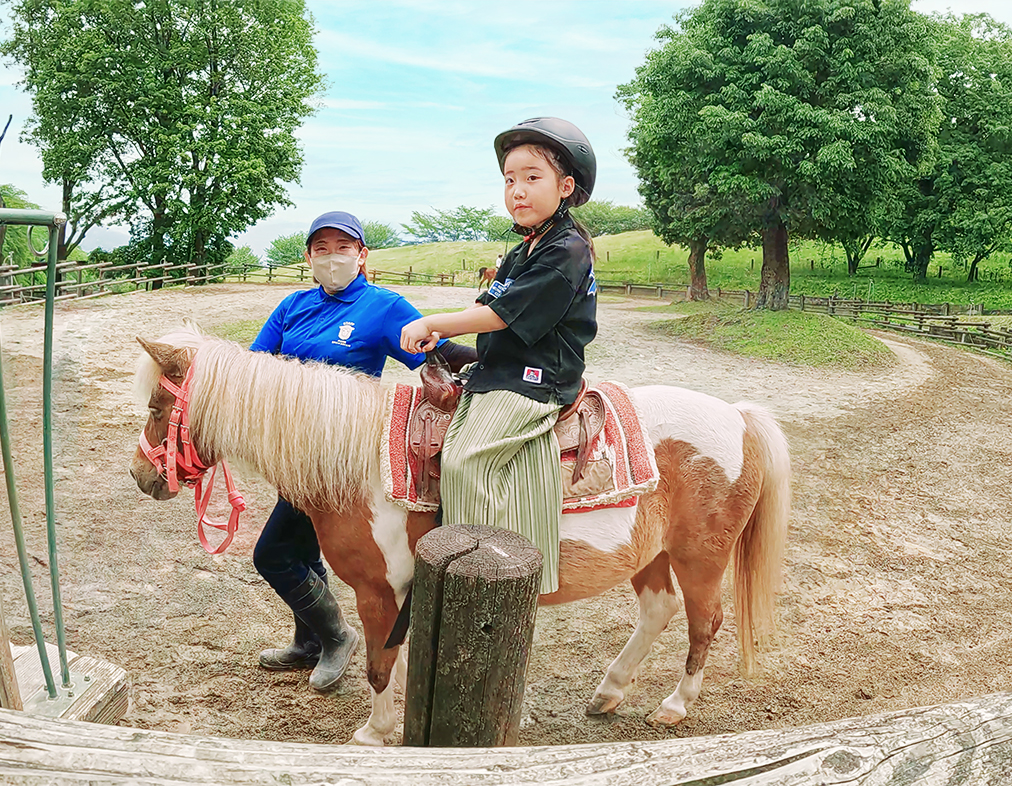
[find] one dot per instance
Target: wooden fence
(960, 324)
(76, 280)
(967, 742)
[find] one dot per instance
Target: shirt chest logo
(532, 375)
(344, 333)
(498, 288)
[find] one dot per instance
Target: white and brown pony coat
(724, 490)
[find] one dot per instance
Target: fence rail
(946, 321)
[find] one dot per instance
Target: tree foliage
(460, 223)
(178, 115)
(602, 217)
(963, 203)
(779, 117)
(380, 235)
(287, 250)
(14, 247)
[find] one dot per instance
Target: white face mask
(335, 271)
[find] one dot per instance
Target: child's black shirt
(549, 304)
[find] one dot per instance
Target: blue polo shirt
(359, 327)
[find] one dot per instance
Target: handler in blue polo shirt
(348, 322)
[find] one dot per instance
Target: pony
(723, 493)
(486, 275)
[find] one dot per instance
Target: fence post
(801, 300)
(10, 696)
(748, 299)
(474, 599)
(752, 267)
(945, 309)
(811, 263)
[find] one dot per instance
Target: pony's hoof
(366, 736)
(603, 705)
(666, 717)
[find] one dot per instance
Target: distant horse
(486, 275)
(724, 490)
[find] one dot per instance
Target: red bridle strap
(191, 467)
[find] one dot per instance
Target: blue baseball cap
(337, 219)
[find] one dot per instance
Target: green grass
(817, 269)
(799, 338)
(242, 332)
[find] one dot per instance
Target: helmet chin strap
(529, 233)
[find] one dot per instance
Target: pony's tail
(759, 551)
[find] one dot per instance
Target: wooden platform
(98, 692)
(967, 743)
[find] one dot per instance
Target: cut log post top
(473, 605)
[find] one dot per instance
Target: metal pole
(19, 539)
(47, 452)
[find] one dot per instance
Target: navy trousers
(288, 549)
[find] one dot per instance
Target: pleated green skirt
(500, 468)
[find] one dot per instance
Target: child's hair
(558, 165)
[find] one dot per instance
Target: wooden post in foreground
(10, 696)
(474, 600)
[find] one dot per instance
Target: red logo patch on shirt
(532, 375)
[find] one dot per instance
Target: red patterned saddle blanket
(606, 458)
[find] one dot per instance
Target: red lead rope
(193, 469)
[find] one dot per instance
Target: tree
(187, 107)
(242, 259)
(380, 235)
(14, 240)
(461, 223)
(287, 250)
(963, 204)
(606, 218)
(789, 116)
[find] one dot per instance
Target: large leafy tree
(187, 108)
(780, 117)
(963, 204)
(602, 217)
(460, 223)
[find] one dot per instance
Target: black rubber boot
(302, 653)
(314, 605)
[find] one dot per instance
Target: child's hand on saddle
(416, 337)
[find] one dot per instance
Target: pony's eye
(154, 412)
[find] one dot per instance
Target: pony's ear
(173, 361)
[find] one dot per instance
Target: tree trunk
(855, 249)
(198, 258)
(973, 273)
(775, 282)
(697, 270)
(923, 250)
(159, 227)
(67, 201)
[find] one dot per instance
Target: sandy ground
(897, 584)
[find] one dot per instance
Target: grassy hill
(816, 269)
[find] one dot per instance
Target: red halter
(189, 469)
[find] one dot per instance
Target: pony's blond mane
(311, 429)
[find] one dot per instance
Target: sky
(416, 92)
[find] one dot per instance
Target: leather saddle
(578, 425)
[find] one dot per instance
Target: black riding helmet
(559, 135)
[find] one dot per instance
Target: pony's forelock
(147, 372)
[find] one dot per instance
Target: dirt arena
(897, 588)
